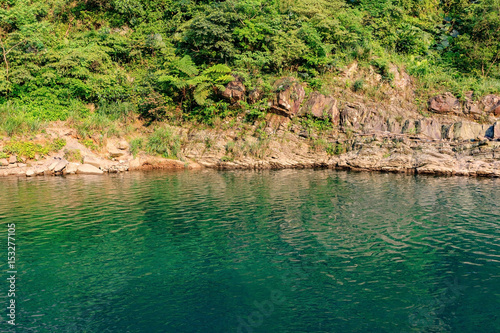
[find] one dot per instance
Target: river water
(270, 251)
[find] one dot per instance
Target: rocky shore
(450, 137)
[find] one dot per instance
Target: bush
(163, 142)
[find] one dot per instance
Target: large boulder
(445, 103)
(89, 169)
(92, 161)
(59, 167)
(288, 98)
(321, 107)
(71, 168)
(235, 91)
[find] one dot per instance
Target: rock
(491, 104)
(430, 128)
(401, 79)
(53, 165)
(115, 153)
(59, 167)
(321, 107)
(123, 145)
(235, 91)
(92, 161)
(71, 168)
(255, 95)
(289, 97)
(276, 122)
(12, 159)
(494, 131)
(21, 165)
(40, 170)
(89, 169)
(4, 162)
(467, 130)
(353, 115)
(446, 103)
(30, 173)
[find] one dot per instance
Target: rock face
(491, 104)
(88, 169)
(446, 103)
(353, 115)
(494, 131)
(289, 97)
(235, 91)
(321, 107)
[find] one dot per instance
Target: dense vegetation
(166, 59)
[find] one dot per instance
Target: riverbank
(297, 128)
(284, 147)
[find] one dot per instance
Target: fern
(217, 69)
(185, 65)
(201, 92)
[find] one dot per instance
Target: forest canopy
(162, 56)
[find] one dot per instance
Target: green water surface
(273, 251)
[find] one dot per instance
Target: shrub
(163, 142)
(136, 145)
(73, 155)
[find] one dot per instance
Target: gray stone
(89, 170)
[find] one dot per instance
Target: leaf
(201, 93)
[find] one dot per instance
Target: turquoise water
(274, 251)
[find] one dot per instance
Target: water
(274, 251)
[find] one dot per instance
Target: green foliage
(30, 150)
(73, 155)
(163, 142)
(169, 60)
(136, 145)
(358, 85)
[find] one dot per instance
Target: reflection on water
(283, 251)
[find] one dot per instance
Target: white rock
(30, 173)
